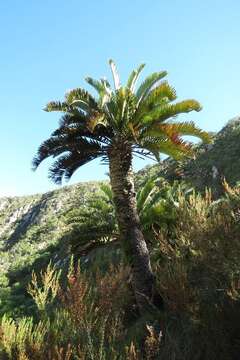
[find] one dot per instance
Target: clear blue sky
(48, 47)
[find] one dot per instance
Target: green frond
(176, 150)
(133, 77)
(187, 128)
(106, 189)
(175, 131)
(159, 96)
(152, 148)
(162, 113)
(102, 87)
(97, 85)
(69, 119)
(116, 78)
(76, 136)
(122, 108)
(116, 108)
(129, 109)
(134, 131)
(50, 147)
(144, 193)
(106, 84)
(93, 126)
(67, 164)
(81, 98)
(65, 133)
(67, 140)
(153, 201)
(161, 92)
(57, 106)
(148, 84)
(96, 120)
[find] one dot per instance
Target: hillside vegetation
(30, 234)
(83, 307)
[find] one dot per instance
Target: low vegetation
(90, 312)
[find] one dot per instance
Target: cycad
(95, 223)
(117, 124)
(157, 203)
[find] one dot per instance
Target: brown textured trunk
(121, 176)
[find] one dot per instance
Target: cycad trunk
(121, 176)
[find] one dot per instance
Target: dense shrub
(199, 278)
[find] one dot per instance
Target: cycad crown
(141, 118)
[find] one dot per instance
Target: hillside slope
(211, 164)
(31, 228)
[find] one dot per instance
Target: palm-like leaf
(177, 130)
(173, 147)
(144, 119)
(106, 189)
(144, 193)
(82, 99)
(160, 95)
(166, 111)
(149, 83)
(97, 85)
(116, 78)
(133, 77)
(157, 202)
(68, 163)
(103, 89)
(57, 106)
(75, 151)
(69, 119)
